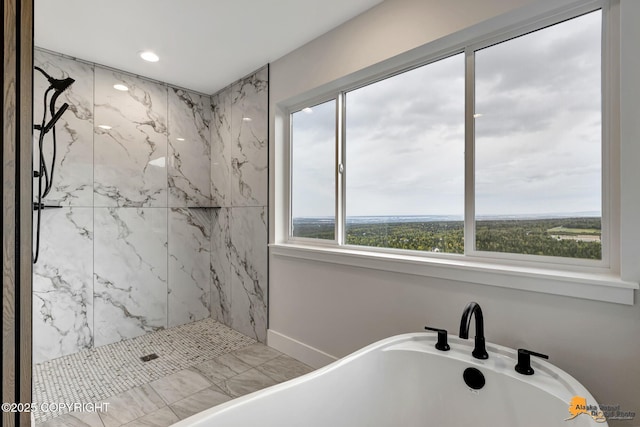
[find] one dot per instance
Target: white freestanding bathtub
(403, 381)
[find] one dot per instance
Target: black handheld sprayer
(57, 86)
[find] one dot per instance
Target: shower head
(59, 85)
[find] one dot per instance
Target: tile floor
(166, 391)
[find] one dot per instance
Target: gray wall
(322, 310)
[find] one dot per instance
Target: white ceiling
(203, 45)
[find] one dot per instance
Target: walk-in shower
(154, 236)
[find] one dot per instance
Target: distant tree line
(530, 236)
(533, 237)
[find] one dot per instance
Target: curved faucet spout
(465, 322)
(473, 308)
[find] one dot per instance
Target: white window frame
(337, 180)
(591, 279)
(606, 140)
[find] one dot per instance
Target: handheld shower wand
(57, 86)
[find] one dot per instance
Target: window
(538, 142)
(404, 156)
(507, 164)
(313, 171)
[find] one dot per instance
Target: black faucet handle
(524, 361)
(442, 344)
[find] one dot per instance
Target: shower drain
(149, 357)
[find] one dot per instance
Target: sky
(537, 134)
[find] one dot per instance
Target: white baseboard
(298, 350)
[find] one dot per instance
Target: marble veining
(137, 247)
(249, 134)
(130, 272)
(131, 154)
(62, 290)
(239, 176)
(248, 227)
(73, 168)
(189, 274)
(221, 266)
(221, 148)
(189, 149)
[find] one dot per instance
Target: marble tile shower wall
(239, 178)
(129, 250)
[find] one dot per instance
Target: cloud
(405, 142)
(538, 141)
(313, 155)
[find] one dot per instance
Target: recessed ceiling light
(179, 139)
(246, 119)
(105, 127)
(149, 56)
(307, 110)
(118, 86)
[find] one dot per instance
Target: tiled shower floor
(199, 365)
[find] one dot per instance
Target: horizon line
(587, 214)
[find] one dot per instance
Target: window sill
(591, 286)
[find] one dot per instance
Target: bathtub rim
(404, 342)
